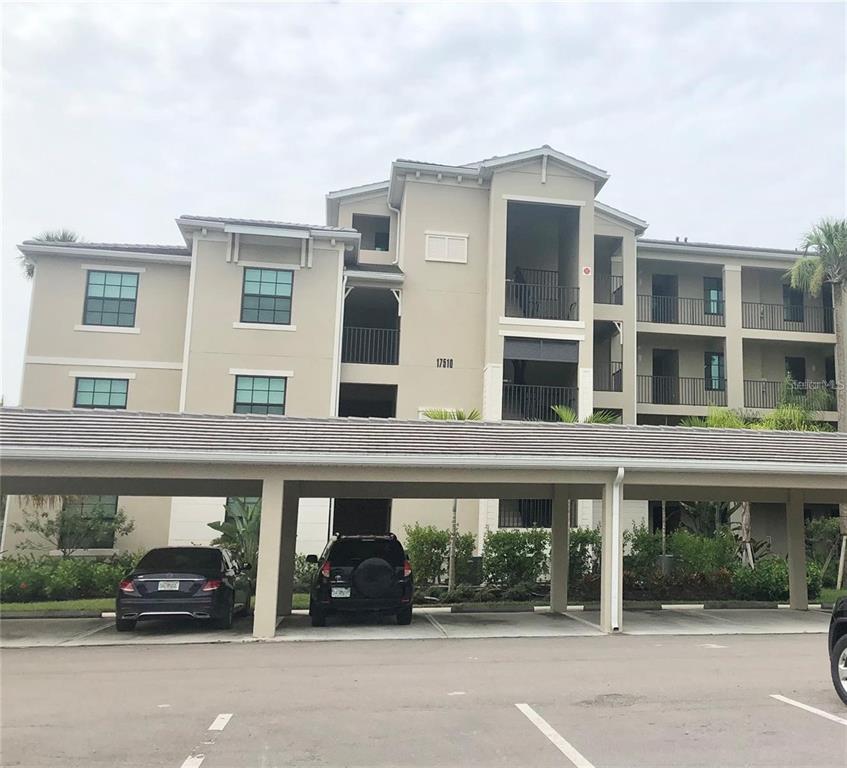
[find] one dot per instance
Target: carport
(283, 459)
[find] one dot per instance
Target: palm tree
(455, 414)
(825, 261)
(568, 415)
(49, 236)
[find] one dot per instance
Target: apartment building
(503, 285)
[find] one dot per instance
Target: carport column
(267, 577)
(611, 566)
(288, 548)
(798, 593)
(559, 551)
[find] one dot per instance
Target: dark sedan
(838, 647)
(177, 582)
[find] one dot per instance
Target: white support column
(287, 550)
(798, 593)
(559, 551)
(733, 343)
(611, 566)
(267, 576)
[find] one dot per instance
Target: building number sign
(443, 362)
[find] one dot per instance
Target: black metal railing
(548, 277)
(530, 402)
(608, 377)
(373, 346)
(680, 311)
(681, 390)
(608, 289)
(525, 513)
(787, 317)
(819, 395)
(541, 302)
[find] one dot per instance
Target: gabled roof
(362, 190)
(639, 225)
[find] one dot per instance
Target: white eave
(189, 225)
(619, 217)
(715, 249)
(33, 251)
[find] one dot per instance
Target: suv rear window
(182, 559)
(347, 552)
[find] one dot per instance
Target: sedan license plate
(341, 592)
(168, 586)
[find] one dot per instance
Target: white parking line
(193, 761)
(435, 623)
(813, 710)
(564, 746)
(220, 722)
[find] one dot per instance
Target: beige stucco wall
(766, 360)
(765, 286)
(373, 205)
(691, 352)
(689, 276)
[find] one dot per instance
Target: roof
(639, 225)
(128, 247)
(718, 249)
(132, 252)
(286, 440)
(199, 220)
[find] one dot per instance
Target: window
(441, 246)
(792, 301)
(713, 295)
(375, 231)
(260, 394)
(76, 511)
(110, 298)
(266, 296)
(795, 369)
(100, 393)
(715, 372)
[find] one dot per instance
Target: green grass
(300, 600)
(89, 604)
(830, 595)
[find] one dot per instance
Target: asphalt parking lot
(629, 701)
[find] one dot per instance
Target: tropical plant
(49, 236)
(240, 529)
(427, 548)
(512, 557)
(456, 414)
(569, 416)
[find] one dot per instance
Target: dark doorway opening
(666, 376)
(368, 400)
(665, 294)
(353, 517)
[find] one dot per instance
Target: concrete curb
(50, 615)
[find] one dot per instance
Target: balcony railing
(530, 402)
(608, 289)
(819, 395)
(525, 513)
(608, 377)
(681, 390)
(537, 301)
(372, 346)
(787, 317)
(680, 311)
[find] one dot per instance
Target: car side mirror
(312, 559)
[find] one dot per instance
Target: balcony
(536, 295)
(608, 289)
(680, 311)
(787, 317)
(371, 346)
(608, 377)
(533, 402)
(818, 395)
(681, 390)
(525, 513)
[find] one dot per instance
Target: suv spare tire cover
(374, 577)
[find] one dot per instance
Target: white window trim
(264, 326)
(542, 335)
(446, 234)
(528, 321)
(545, 200)
(107, 328)
(101, 375)
(455, 235)
(111, 268)
(267, 265)
(253, 372)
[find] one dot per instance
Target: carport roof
(288, 440)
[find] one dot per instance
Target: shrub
(466, 573)
(427, 548)
(769, 580)
(31, 579)
(303, 573)
(583, 554)
(513, 557)
(645, 548)
(823, 537)
(694, 553)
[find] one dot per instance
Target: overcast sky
(720, 122)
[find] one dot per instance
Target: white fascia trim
(38, 360)
(100, 375)
(268, 264)
(112, 268)
(55, 250)
(364, 189)
(263, 326)
(465, 235)
(683, 248)
(619, 217)
(542, 335)
(254, 372)
(545, 200)
(598, 174)
(411, 461)
(244, 229)
(107, 329)
(523, 321)
(383, 277)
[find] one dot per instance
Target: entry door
(665, 295)
(795, 367)
(666, 376)
(353, 517)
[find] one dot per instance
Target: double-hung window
(714, 372)
(713, 295)
(266, 296)
(260, 394)
(100, 393)
(110, 298)
(86, 522)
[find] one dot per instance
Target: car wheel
(225, 621)
(317, 614)
(838, 665)
(124, 625)
(404, 616)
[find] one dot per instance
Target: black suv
(838, 647)
(361, 573)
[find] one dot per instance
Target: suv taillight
(126, 585)
(325, 569)
(211, 585)
(407, 569)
